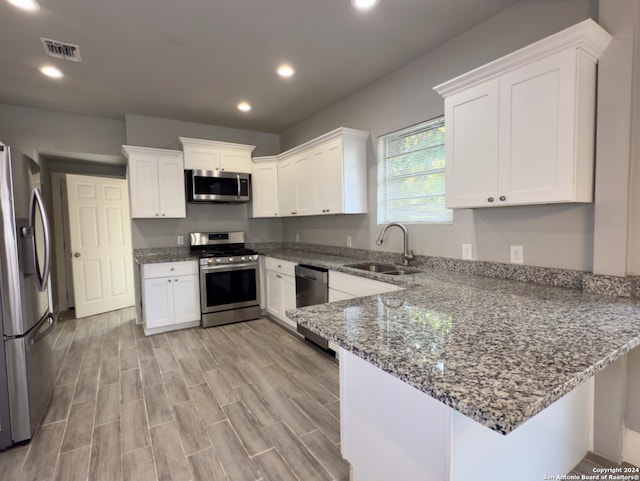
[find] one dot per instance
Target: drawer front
(358, 286)
(169, 269)
(282, 267)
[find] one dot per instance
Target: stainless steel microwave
(217, 186)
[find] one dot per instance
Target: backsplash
(546, 276)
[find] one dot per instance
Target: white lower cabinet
(281, 289)
(345, 286)
(170, 296)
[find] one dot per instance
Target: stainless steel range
(229, 277)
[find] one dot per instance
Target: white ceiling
(194, 60)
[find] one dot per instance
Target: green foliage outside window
(411, 175)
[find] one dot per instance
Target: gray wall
(35, 131)
(553, 236)
(164, 133)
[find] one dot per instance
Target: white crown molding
(587, 36)
(189, 142)
(134, 149)
(344, 132)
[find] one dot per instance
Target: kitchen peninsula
(462, 377)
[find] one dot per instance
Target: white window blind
(411, 175)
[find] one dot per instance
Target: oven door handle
(228, 267)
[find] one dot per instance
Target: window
(411, 175)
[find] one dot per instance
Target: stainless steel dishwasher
(312, 287)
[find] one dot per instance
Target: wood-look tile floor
(242, 402)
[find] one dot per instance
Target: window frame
(446, 216)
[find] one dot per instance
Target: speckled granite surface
(497, 351)
(162, 254)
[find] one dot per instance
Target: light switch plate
(297, 237)
(348, 241)
(517, 255)
(180, 240)
(467, 252)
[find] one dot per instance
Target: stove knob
(209, 261)
(230, 259)
(218, 260)
(243, 258)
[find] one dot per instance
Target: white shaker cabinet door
(171, 192)
(471, 146)
(288, 298)
(186, 296)
(264, 189)
(274, 294)
(305, 194)
(143, 189)
(287, 188)
(235, 161)
(158, 302)
(537, 127)
(328, 178)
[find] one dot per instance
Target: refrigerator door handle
(36, 201)
(52, 321)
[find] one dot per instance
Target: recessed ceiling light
(51, 71)
(285, 70)
(29, 5)
(244, 106)
(364, 4)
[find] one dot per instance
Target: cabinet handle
(328, 210)
(279, 266)
(176, 280)
(172, 269)
(157, 214)
(490, 199)
(163, 214)
(168, 280)
(293, 213)
(503, 198)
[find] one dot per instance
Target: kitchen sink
(382, 268)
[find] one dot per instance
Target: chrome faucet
(407, 255)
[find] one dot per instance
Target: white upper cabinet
(156, 182)
(202, 154)
(287, 187)
(521, 130)
(327, 175)
(264, 187)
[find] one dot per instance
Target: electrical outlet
(517, 255)
(180, 240)
(348, 241)
(297, 237)
(467, 252)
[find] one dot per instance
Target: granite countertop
(163, 254)
(497, 351)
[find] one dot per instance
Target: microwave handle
(239, 187)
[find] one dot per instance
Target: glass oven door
(229, 286)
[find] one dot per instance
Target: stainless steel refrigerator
(26, 317)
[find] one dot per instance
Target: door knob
(76, 254)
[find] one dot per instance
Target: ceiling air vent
(56, 49)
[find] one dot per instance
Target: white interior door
(100, 239)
